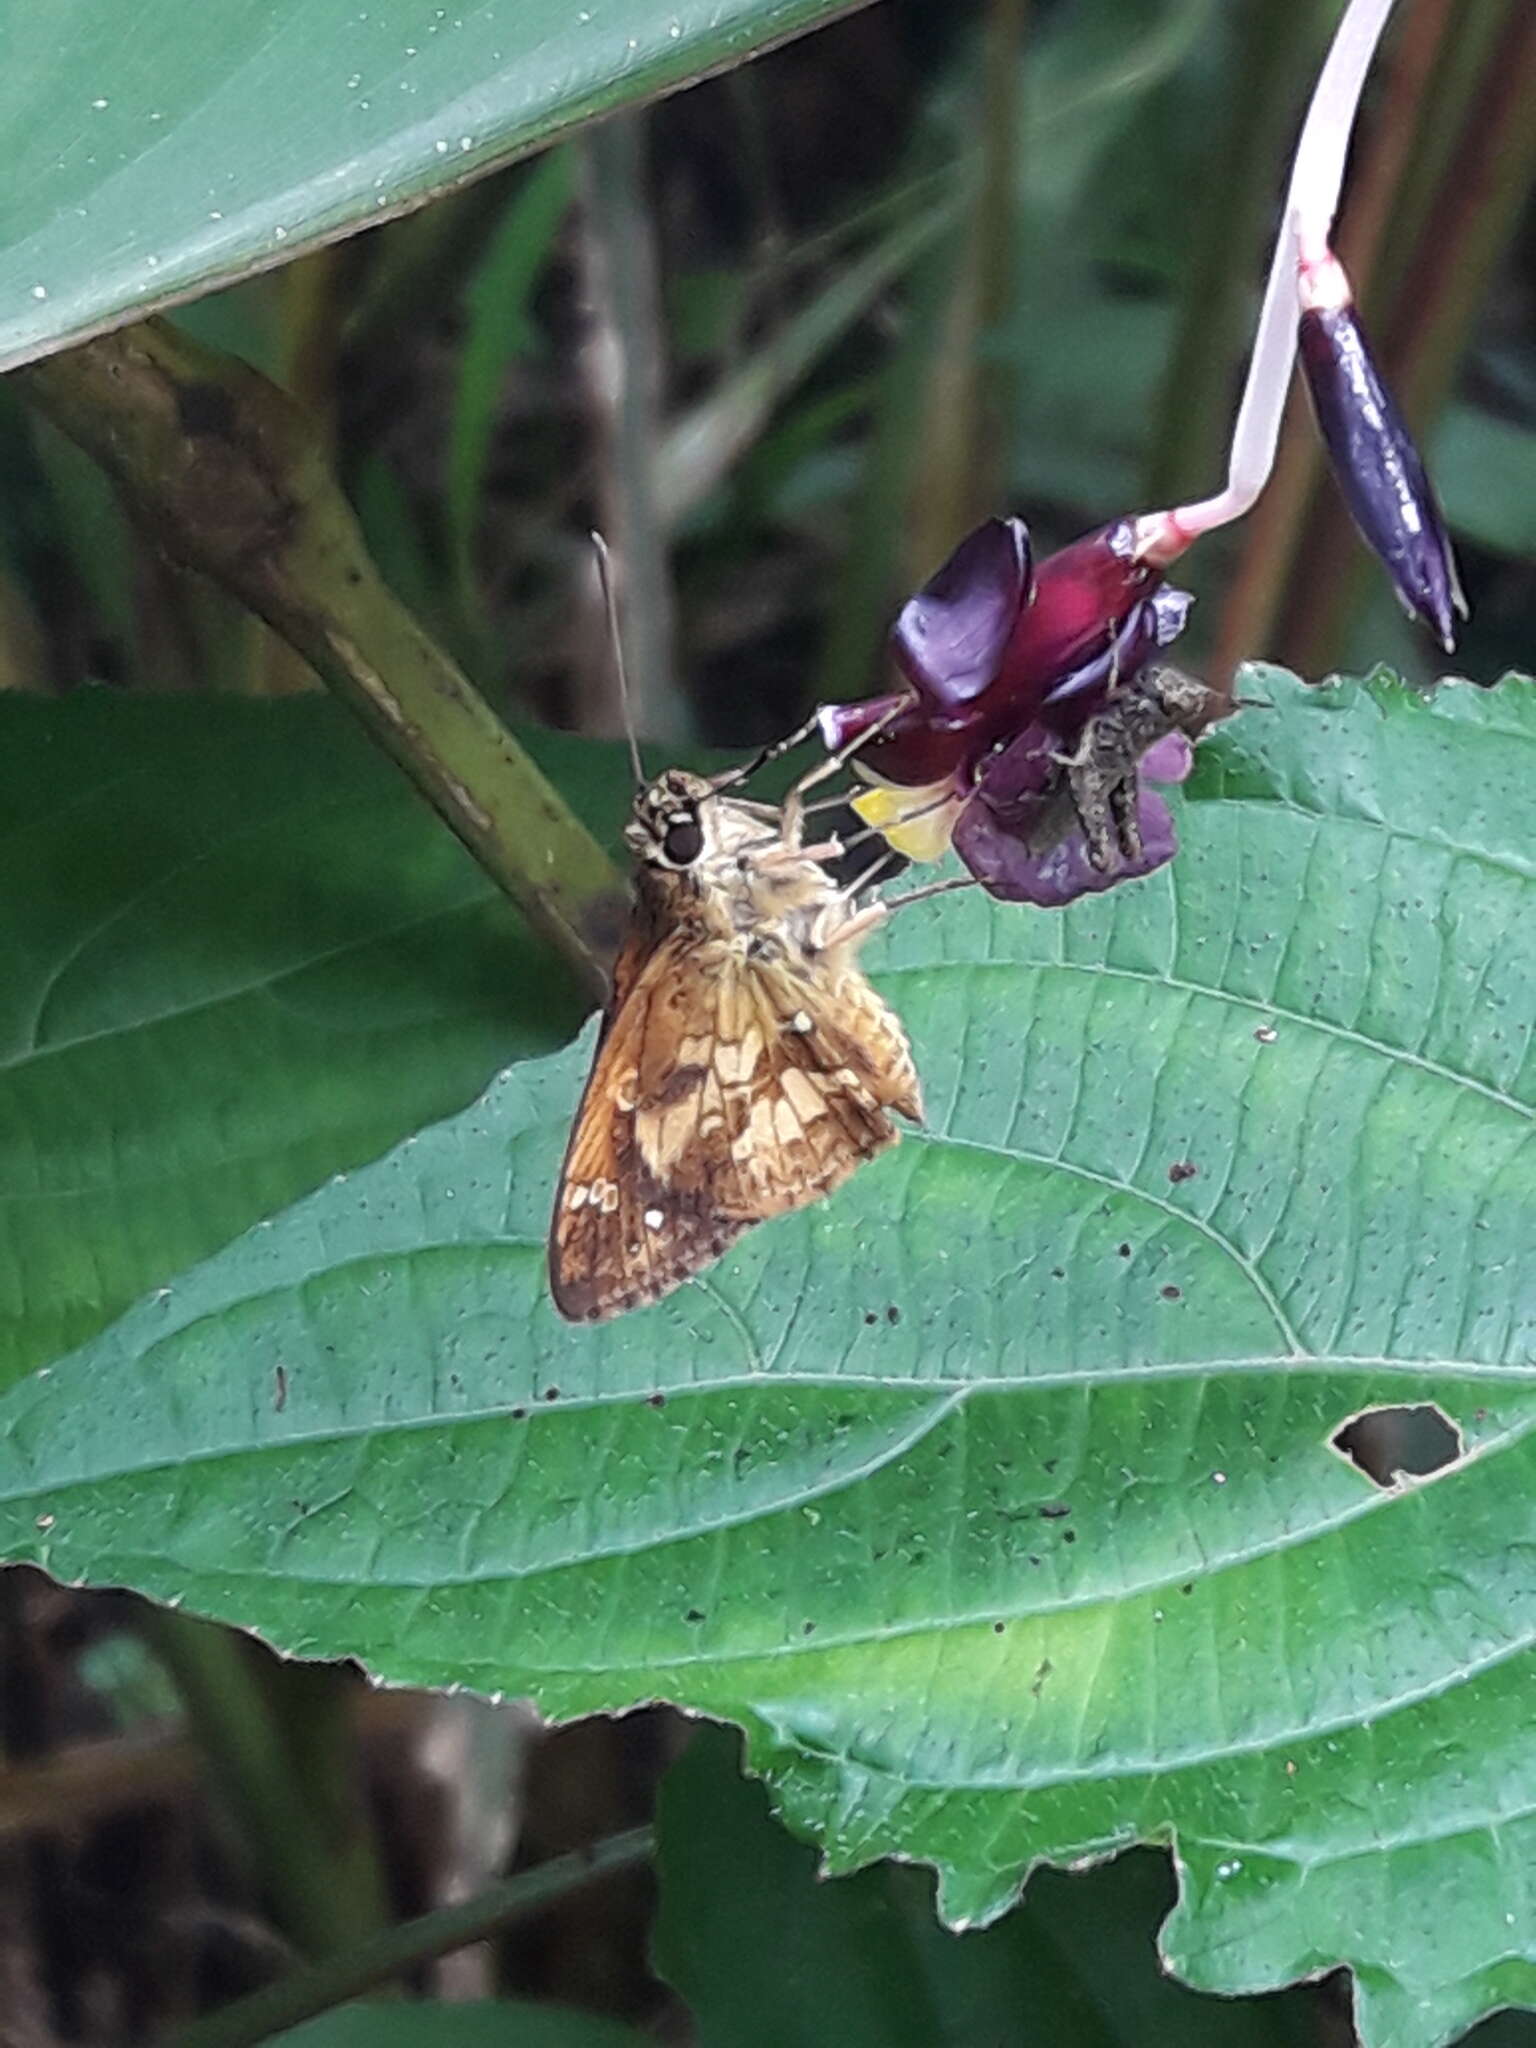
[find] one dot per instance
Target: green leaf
(765, 1953)
(507, 2024)
(240, 955)
(995, 1499)
(221, 139)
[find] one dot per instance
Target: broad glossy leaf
(239, 955)
(509, 2023)
(765, 1952)
(995, 1499)
(214, 140)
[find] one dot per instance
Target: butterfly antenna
(616, 641)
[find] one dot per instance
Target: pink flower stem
(1301, 246)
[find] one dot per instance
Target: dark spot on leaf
(1390, 1443)
(870, 1316)
(1171, 1293)
(1049, 1464)
(280, 1389)
(1033, 1559)
(1054, 1510)
(1069, 1535)
(741, 1459)
(893, 1315)
(551, 1393)
(1182, 1169)
(998, 1627)
(807, 1628)
(1124, 1251)
(1058, 1272)
(1189, 1588)
(1042, 1672)
(519, 1414)
(655, 1400)
(694, 1614)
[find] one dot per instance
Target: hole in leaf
(1388, 1444)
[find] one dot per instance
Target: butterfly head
(670, 827)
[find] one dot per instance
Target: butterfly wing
(727, 1089)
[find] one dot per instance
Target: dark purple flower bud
(950, 638)
(1007, 868)
(1378, 468)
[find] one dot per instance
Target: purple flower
(1376, 464)
(1027, 841)
(988, 640)
(1020, 734)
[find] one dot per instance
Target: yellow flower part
(914, 822)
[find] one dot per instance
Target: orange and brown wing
(725, 1091)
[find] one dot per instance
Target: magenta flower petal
(1007, 869)
(1169, 759)
(841, 724)
(1082, 594)
(1015, 775)
(1154, 622)
(1378, 468)
(949, 638)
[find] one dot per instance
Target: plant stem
(1317, 171)
(227, 472)
(279, 1743)
(1274, 537)
(277, 2007)
(1274, 44)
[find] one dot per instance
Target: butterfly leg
(774, 751)
(874, 914)
(794, 803)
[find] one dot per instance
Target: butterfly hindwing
(726, 1090)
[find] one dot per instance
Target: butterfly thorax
(725, 868)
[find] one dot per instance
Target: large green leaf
(764, 1953)
(239, 955)
(996, 1499)
(217, 139)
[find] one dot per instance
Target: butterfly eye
(682, 842)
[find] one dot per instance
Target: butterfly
(745, 1066)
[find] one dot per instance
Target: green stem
(228, 474)
(279, 1743)
(277, 2007)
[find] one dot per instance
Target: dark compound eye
(682, 842)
